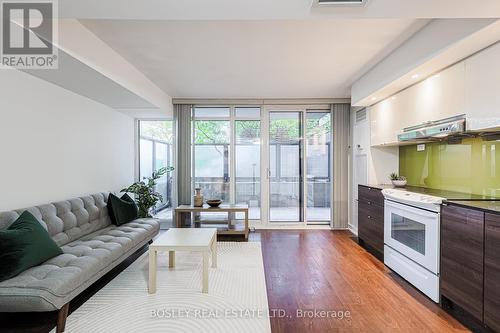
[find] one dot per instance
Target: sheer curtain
(341, 133)
(182, 121)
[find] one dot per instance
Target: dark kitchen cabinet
(371, 195)
(462, 250)
(371, 217)
(492, 272)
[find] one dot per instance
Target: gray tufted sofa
(92, 246)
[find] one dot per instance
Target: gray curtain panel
(341, 134)
(182, 121)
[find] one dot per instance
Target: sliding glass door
(285, 167)
(291, 147)
(247, 148)
(299, 151)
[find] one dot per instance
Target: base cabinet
(462, 234)
(492, 272)
(371, 217)
(470, 262)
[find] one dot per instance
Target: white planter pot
(399, 183)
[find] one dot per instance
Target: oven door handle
(420, 211)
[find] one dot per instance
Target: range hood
(434, 130)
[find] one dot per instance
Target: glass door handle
(268, 173)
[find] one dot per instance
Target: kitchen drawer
(462, 241)
(492, 272)
(371, 225)
(370, 195)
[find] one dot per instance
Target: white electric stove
(411, 238)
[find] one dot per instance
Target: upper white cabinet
(439, 96)
(470, 87)
(385, 123)
(483, 89)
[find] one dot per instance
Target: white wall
(56, 145)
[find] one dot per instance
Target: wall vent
(360, 115)
(317, 3)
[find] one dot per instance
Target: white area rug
(236, 301)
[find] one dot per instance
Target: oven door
(414, 233)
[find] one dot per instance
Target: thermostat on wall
(421, 147)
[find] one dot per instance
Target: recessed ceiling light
(415, 76)
(393, 97)
(437, 75)
(339, 2)
(374, 98)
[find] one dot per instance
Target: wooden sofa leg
(62, 314)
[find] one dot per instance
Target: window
(146, 158)
(155, 152)
(211, 112)
(226, 142)
(247, 112)
(211, 158)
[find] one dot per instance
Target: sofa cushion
(23, 245)
(121, 210)
(55, 282)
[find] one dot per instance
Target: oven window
(408, 232)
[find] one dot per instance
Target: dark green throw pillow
(23, 245)
(122, 210)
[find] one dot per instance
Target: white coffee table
(184, 239)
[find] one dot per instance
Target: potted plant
(145, 195)
(398, 181)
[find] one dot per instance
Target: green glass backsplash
(471, 167)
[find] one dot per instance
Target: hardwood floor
(327, 270)
(311, 270)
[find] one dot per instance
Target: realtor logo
(28, 34)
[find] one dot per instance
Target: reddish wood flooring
(327, 270)
(310, 269)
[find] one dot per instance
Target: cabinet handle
(369, 202)
(369, 217)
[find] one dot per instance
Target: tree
(247, 131)
(159, 130)
(319, 126)
(211, 132)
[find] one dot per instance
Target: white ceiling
(254, 59)
(273, 9)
